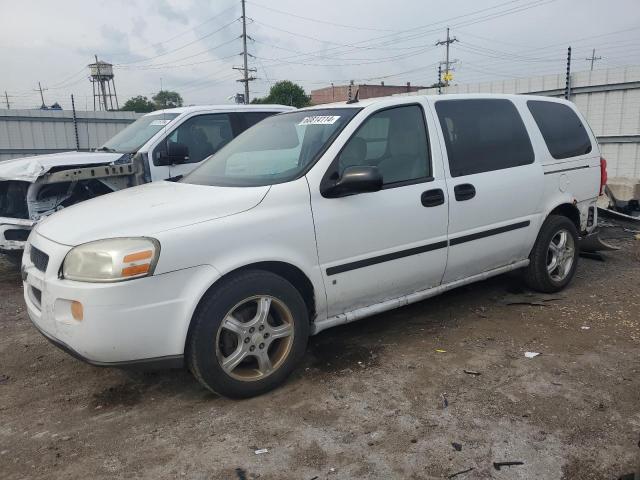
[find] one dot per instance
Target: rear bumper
(14, 233)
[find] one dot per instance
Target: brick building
(340, 93)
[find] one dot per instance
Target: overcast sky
(191, 45)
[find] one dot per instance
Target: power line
(352, 27)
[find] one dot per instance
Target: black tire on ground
(536, 275)
(201, 349)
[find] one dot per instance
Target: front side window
(483, 135)
(561, 129)
(277, 149)
(203, 135)
(395, 141)
(138, 133)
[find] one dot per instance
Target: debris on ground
(453, 475)
(529, 298)
(592, 255)
(241, 474)
(260, 451)
(499, 465)
(439, 350)
(471, 372)
(4, 379)
(584, 327)
(457, 446)
(445, 402)
(531, 354)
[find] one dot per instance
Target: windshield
(276, 150)
(138, 133)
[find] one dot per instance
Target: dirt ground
(387, 397)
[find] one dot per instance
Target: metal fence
(36, 132)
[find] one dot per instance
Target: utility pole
(447, 62)
(6, 97)
(567, 85)
(593, 58)
(40, 89)
(245, 69)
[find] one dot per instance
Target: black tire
(205, 334)
(536, 275)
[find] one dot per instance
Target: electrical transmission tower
(246, 78)
(447, 63)
(593, 58)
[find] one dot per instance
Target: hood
(147, 210)
(28, 169)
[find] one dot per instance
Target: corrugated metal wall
(35, 132)
(608, 98)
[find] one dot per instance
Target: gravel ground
(387, 397)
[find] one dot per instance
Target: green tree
(286, 93)
(139, 104)
(167, 99)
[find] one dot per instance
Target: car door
(494, 184)
(382, 245)
(203, 135)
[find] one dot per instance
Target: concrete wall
(608, 98)
(35, 132)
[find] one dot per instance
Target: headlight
(112, 260)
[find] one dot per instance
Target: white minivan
(314, 218)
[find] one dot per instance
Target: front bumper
(132, 323)
(14, 233)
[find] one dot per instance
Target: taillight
(603, 174)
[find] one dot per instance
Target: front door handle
(464, 191)
(432, 198)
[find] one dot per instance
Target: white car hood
(146, 210)
(28, 169)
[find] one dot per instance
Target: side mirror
(175, 154)
(357, 179)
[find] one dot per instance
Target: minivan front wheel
(554, 256)
(248, 334)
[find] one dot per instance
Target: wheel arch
(294, 275)
(568, 210)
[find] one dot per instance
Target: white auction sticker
(320, 120)
(160, 123)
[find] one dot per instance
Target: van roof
(225, 108)
(399, 99)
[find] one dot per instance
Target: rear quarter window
(561, 128)
(483, 135)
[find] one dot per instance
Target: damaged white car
(163, 145)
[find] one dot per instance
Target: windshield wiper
(105, 149)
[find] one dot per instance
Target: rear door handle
(464, 191)
(432, 198)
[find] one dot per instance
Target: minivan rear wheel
(554, 257)
(248, 334)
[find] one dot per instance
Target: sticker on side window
(160, 123)
(320, 120)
